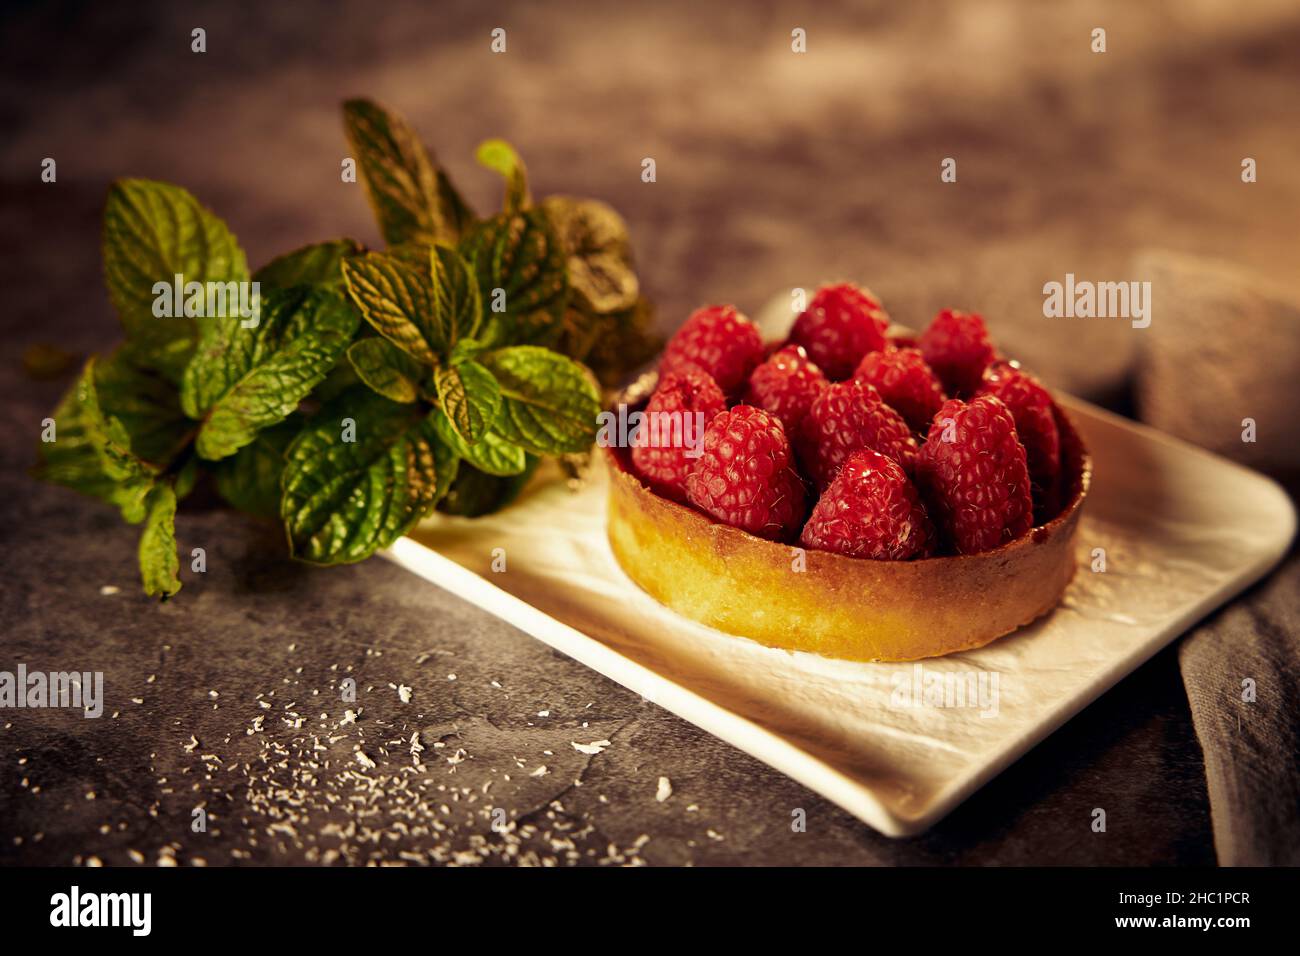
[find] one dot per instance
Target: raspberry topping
(721, 341)
(841, 324)
(683, 402)
(745, 478)
(870, 510)
(971, 472)
(1035, 414)
(786, 385)
(957, 347)
(905, 382)
(847, 417)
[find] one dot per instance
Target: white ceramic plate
(897, 745)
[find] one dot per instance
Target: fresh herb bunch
(373, 386)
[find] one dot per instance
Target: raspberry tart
(855, 491)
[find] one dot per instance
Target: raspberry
(906, 384)
(721, 341)
(1035, 414)
(870, 510)
(847, 417)
(744, 478)
(957, 347)
(841, 324)
(661, 451)
(786, 385)
(976, 483)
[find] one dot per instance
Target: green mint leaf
(412, 197)
(159, 564)
(154, 232)
(520, 267)
(387, 369)
(250, 478)
(147, 405)
(244, 379)
(598, 253)
(498, 155)
(73, 458)
(491, 454)
(466, 350)
(344, 499)
(548, 402)
(396, 298)
(315, 265)
(470, 396)
(132, 478)
(456, 302)
(474, 494)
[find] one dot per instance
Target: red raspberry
(847, 417)
(662, 450)
(786, 385)
(841, 324)
(1035, 415)
(905, 382)
(870, 510)
(957, 347)
(975, 482)
(721, 341)
(745, 478)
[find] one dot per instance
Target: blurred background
(774, 169)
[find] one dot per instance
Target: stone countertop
(226, 699)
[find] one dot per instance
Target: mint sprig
(369, 386)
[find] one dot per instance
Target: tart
(785, 595)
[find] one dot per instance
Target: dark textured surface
(773, 170)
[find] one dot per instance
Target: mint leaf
(243, 379)
(250, 478)
(466, 350)
(615, 344)
(157, 552)
(387, 369)
(396, 298)
(342, 499)
(491, 454)
(412, 197)
(152, 233)
(73, 459)
(131, 477)
(474, 493)
(456, 302)
(144, 405)
(499, 155)
(548, 403)
(147, 405)
(598, 253)
(521, 256)
(315, 265)
(470, 396)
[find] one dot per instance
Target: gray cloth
(1238, 340)
(1251, 748)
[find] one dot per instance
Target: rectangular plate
(897, 745)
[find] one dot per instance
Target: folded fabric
(1218, 367)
